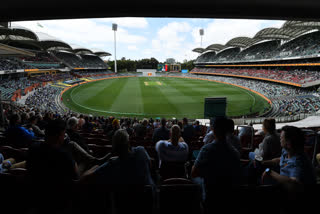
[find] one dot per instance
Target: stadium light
(114, 28)
(201, 34)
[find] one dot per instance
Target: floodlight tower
(114, 28)
(201, 34)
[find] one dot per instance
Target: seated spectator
(81, 121)
(209, 136)
(140, 129)
(115, 127)
(188, 131)
(17, 135)
(88, 126)
(197, 128)
(48, 161)
(51, 171)
(295, 167)
(217, 170)
(130, 166)
(270, 147)
(218, 163)
(231, 138)
(72, 127)
(35, 128)
(173, 150)
(245, 131)
(161, 133)
(5, 164)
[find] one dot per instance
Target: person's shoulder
(138, 149)
(209, 146)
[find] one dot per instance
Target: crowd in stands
(286, 100)
(44, 98)
(81, 61)
(9, 86)
(305, 45)
(54, 77)
(92, 61)
(62, 150)
(293, 76)
(258, 51)
(302, 46)
(40, 57)
(10, 63)
(92, 73)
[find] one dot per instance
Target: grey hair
(72, 122)
(120, 143)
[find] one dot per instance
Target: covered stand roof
(100, 52)
(52, 43)
(199, 50)
(17, 33)
(6, 50)
(281, 33)
(215, 47)
(77, 49)
(241, 42)
(301, 24)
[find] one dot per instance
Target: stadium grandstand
(109, 163)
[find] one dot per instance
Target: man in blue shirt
(17, 135)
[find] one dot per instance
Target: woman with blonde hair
(174, 149)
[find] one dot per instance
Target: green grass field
(158, 97)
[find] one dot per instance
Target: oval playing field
(158, 97)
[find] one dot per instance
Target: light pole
(114, 28)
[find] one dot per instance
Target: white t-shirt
(170, 153)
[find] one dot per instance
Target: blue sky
(139, 38)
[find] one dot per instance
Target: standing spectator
(173, 150)
(161, 133)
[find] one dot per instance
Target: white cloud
(170, 40)
(176, 39)
(222, 30)
(132, 48)
(127, 22)
(83, 31)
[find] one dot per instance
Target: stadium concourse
(104, 164)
